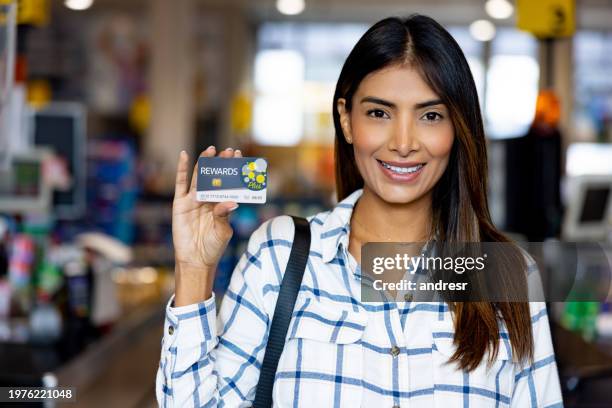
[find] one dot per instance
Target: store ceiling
(591, 13)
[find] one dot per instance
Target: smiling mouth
(402, 169)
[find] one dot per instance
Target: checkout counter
(109, 354)
(117, 369)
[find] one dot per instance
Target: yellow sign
(38, 92)
(546, 18)
(241, 113)
(35, 12)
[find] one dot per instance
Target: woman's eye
(377, 113)
(432, 116)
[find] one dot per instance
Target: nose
(404, 139)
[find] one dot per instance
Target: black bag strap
(283, 311)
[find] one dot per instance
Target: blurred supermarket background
(97, 98)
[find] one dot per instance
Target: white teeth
(402, 170)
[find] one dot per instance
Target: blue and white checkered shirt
(339, 351)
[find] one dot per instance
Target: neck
(397, 222)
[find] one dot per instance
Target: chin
(399, 194)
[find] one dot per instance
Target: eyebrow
(418, 106)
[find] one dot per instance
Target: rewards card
(239, 179)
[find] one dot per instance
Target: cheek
(440, 144)
(368, 137)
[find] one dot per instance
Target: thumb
(224, 209)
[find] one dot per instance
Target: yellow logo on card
(254, 174)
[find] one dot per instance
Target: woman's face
(401, 134)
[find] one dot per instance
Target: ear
(345, 120)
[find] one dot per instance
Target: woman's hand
(200, 233)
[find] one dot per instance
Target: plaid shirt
(339, 352)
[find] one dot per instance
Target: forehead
(396, 83)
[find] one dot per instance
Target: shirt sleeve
(537, 384)
(209, 360)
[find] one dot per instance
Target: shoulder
(279, 227)
(274, 237)
(281, 230)
(269, 248)
(271, 242)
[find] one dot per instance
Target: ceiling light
(482, 30)
(290, 7)
(499, 9)
(78, 4)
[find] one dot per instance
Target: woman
(410, 164)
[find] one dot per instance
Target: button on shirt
(339, 351)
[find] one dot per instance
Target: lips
(399, 172)
(402, 168)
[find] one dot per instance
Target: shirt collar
(335, 230)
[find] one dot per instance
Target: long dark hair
(460, 207)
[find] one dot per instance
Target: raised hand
(200, 233)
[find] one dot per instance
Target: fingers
(222, 210)
(229, 152)
(208, 152)
(181, 188)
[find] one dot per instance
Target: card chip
(216, 182)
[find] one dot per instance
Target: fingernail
(238, 151)
(229, 148)
(210, 147)
(233, 208)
